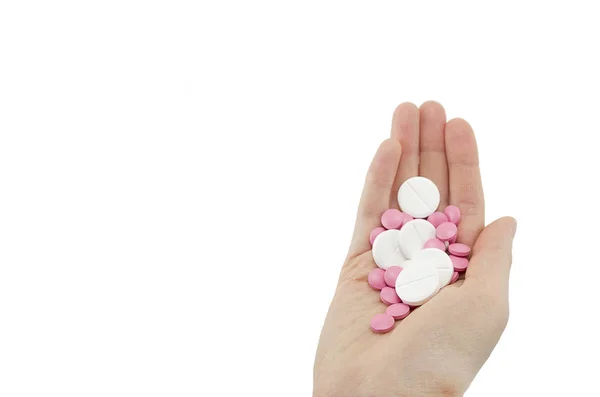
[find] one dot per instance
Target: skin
(439, 348)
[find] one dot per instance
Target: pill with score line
(418, 197)
(417, 283)
(440, 260)
(386, 249)
(414, 235)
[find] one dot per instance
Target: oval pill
(440, 260)
(417, 283)
(391, 274)
(389, 296)
(392, 219)
(398, 310)
(376, 279)
(459, 249)
(437, 218)
(418, 197)
(435, 243)
(446, 231)
(382, 323)
(453, 214)
(460, 263)
(375, 232)
(386, 249)
(414, 235)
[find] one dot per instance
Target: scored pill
(414, 235)
(440, 260)
(418, 197)
(386, 249)
(417, 283)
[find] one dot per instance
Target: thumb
(492, 253)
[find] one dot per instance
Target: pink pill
(454, 277)
(382, 323)
(398, 310)
(460, 264)
(391, 274)
(446, 231)
(452, 240)
(437, 218)
(435, 243)
(453, 214)
(376, 280)
(375, 232)
(459, 249)
(389, 296)
(392, 219)
(406, 218)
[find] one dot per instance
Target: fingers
(405, 129)
(433, 164)
(466, 191)
(492, 254)
(376, 194)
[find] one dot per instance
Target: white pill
(440, 260)
(413, 236)
(418, 197)
(417, 283)
(386, 249)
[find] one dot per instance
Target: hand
(439, 348)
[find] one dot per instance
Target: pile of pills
(415, 251)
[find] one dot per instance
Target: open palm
(439, 348)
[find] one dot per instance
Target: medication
(437, 218)
(414, 235)
(389, 296)
(453, 214)
(418, 197)
(392, 219)
(382, 323)
(398, 310)
(375, 232)
(376, 279)
(435, 243)
(454, 277)
(417, 283)
(446, 231)
(440, 260)
(386, 249)
(459, 263)
(391, 274)
(459, 249)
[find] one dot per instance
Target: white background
(178, 183)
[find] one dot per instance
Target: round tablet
(459, 249)
(376, 279)
(453, 214)
(398, 310)
(454, 277)
(446, 231)
(437, 218)
(418, 197)
(392, 219)
(375, 232)
(417, 283)
(440, 260)
(460, 263)
(414, 235)
(391, 274)
(389, 296)
(382, 323)
(435, 243)
(386, 249)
